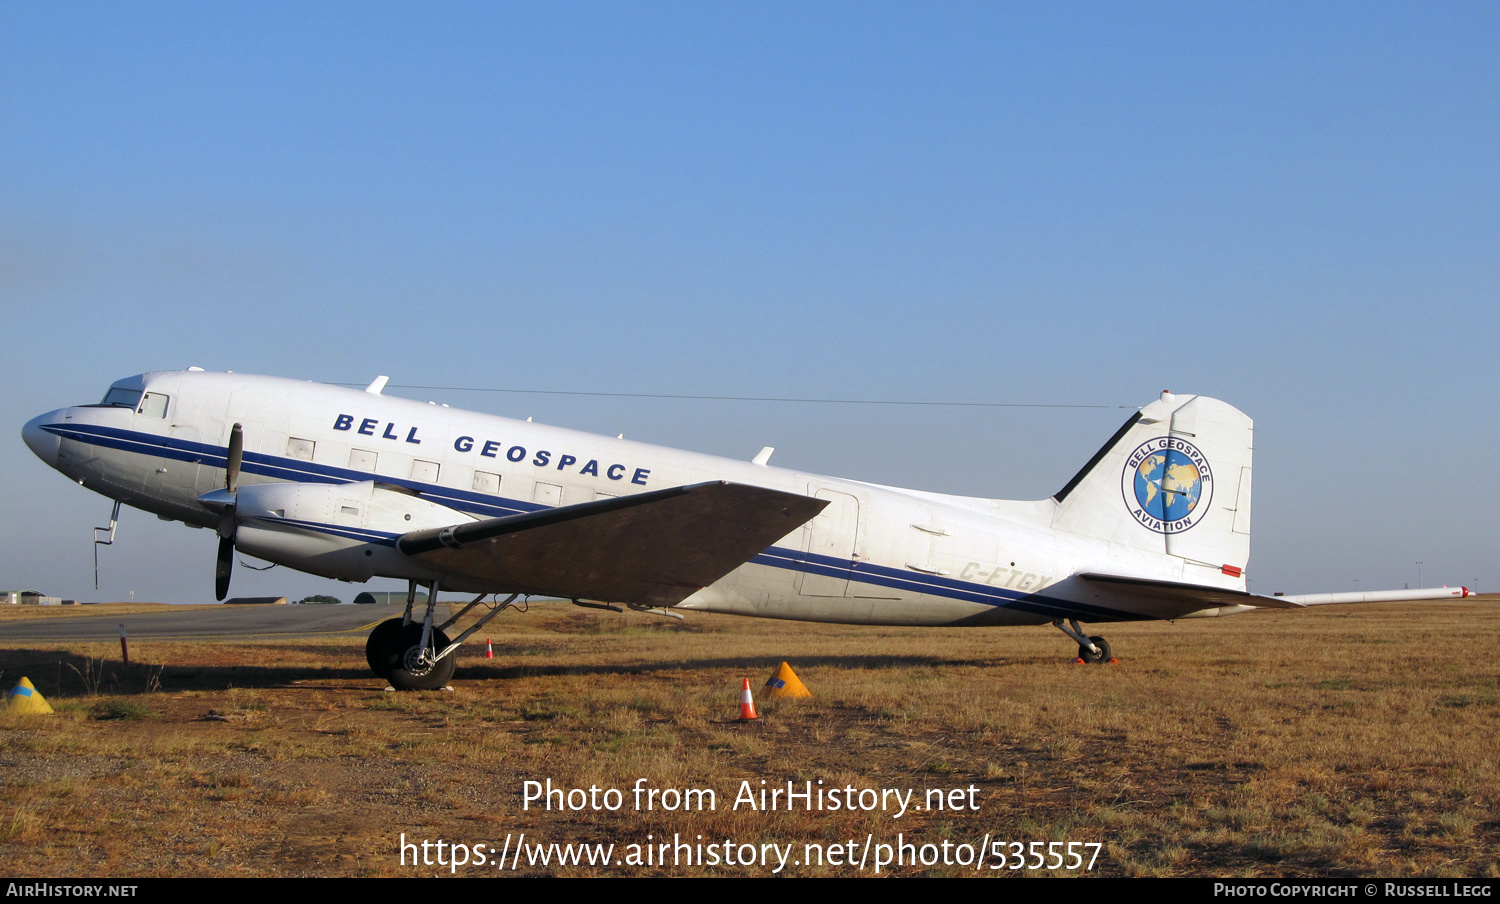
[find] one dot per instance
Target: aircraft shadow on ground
(753, 664)
(59, 674)
(62, 674)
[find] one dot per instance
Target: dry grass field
(1358, 741)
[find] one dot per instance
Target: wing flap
(654, 548)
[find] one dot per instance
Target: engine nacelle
(345, 530)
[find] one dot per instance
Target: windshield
(119, 397)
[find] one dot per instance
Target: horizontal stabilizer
(1196, 596)
(652, 549)
(1379, 596)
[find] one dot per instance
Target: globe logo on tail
(1167, 484)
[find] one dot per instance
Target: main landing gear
(415, 655)
(1090, 649)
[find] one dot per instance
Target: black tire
(1104, 654)
(400, 652)
(375, 646)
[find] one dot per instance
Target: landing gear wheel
(375, 646)
(408, 667)
(1104, 654)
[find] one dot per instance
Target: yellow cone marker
(25, 698)
(785, 683)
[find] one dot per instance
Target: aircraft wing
(653, 549)
(1189, 597)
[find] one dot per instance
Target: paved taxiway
(201, 623)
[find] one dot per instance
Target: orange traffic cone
(489, 649)
(747, 704)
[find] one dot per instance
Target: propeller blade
(236, 455)
(224, 567)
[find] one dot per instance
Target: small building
(256, 601)
(28, 598)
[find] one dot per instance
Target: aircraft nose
(41, 442)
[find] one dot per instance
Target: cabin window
(119, 397)
(362, 459)
(425, 471)
(153, 405)
(300, 449)
(547, 494)
(485, 482)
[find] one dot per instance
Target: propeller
(226, 528)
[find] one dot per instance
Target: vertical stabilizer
(1175, 480)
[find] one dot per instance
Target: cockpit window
(119, 397)
(153, 405)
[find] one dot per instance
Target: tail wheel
(1104, 654)
(410, 667)
(375, 646)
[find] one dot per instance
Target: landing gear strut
(412, 655)
(1090, 649)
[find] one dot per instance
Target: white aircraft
(353, 484)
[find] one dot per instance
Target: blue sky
(1291, 207)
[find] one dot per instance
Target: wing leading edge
(652, 549)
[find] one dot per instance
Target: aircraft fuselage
(875, 554)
